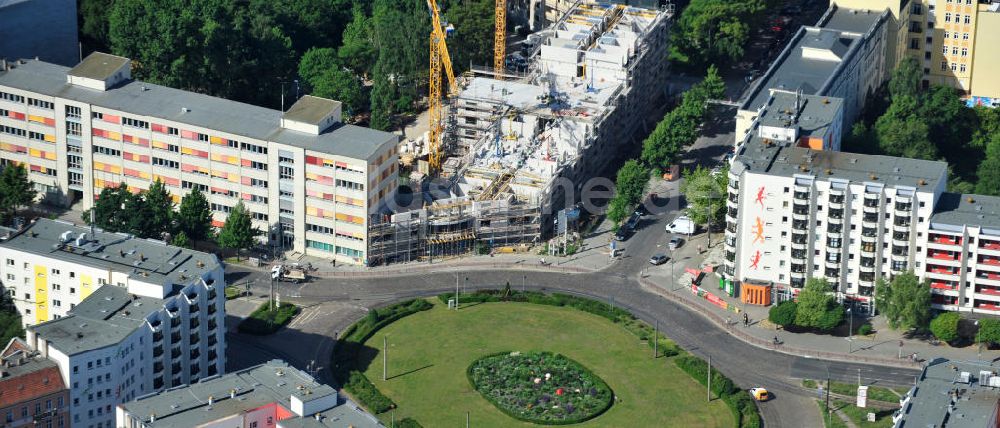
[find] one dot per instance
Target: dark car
(658, 259)
(633, 221)
(623, 234)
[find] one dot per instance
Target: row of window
(167, 163)
(11, 97)
(954, 50)
(947, 35)
(40, 104)
(350, 185)
(135, 123)
(967, 19)
(961, 68)
(12, 130)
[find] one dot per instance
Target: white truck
(294, 274)
(682, 225)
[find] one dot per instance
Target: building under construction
(521, 145)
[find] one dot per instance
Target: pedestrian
(746, 320)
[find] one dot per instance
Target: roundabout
(443, 364)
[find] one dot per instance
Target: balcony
(988, 306)
(193, 308)
(989, 245)
(175, 353)
(212, 340)
(732, 213)
(943, 255)
(801, 197)
(730, 227)
(989, 290)
(175, 337)
(943, 300)
(904, 207)
(158, 383)
(211, 309)
(944, 285)
(835, 214)
(195, 353)
(175, 322)
(212, 324)
(157, 351)
(195, 339)
(175, 368)
(800, 224)
(942, 270)
(798, 254)
(988, 276)
(797, 282)
(212, 294)
(157, 337)
(989, 261)
(866, 291)
(212, 355)
(157, 367)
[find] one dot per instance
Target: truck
(682, 225)
(293, 274)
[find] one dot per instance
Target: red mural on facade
(755, 260)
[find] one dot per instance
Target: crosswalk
(306, 316)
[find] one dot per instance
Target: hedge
(739, 401)
(264, 321)
(408, 423)
(350, 344)
(640, 329)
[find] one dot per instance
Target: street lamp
(524, 280)
(979, 354)
(850, 331)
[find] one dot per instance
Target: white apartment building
(309, 180)
(121, 316)
(269, 395)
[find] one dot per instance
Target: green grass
(878, 393)
(264, 321)
(233, 292)
(883, 418)
(429, 352)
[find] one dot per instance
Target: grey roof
(98, 66)
(271, 382)
(310, 109)
(815, 113)
(792, 71)
(963, 209)
(147, 99)
(975, 405)
(160, 264)
(758, 155)
(103, 319)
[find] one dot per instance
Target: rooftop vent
(66, 236)
(970, 200)
(873, 177)
(922, 182)
(185, 110)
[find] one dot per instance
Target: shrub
(367, 394)
(408, 423)
(518, 384)
(945, 326)
(739, 402)
(989, 331)
(865, 329)
(264, 321)
(783, 313)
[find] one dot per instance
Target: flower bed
(540, 387)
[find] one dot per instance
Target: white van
(682, 225)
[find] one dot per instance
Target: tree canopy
(16, 190)
(679, 127)
(238, 232)
(705, 194)
(905, 301)
(713, 31)
(630, 186)
(817, 308)
(194, 217)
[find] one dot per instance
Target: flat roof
(105, 318)
(965, 209)
(796, 69)
(783, 159)
(815, 113)
(311, 110)
(274, 382)
(940, 388)
(232, 117)
(146, 260)
(98, 65)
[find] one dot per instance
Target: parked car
(658, 259)
(675, 243)
(640, 210)
(623, 234)
(633, 221)
(682, 225)
(760, 394)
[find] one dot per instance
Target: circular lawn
(433, 355)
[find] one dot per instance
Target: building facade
(272, 394)
(120, 316)
(308, 180)
(34, 394)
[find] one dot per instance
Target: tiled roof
(42, 381)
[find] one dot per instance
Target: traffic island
(264, 320)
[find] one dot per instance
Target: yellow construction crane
(439, 59)
(500, 38)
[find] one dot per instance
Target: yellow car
(759, 394)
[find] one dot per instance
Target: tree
(93, 18)
(181, 240)
(905, 302)
(382, 108)
(160, 207)
(783, 313)
(238, 232)
(631, 181)
(712, 31)
(357, 50)
(109, 210)
(474, 21)
(705, 194)
(989, 170)
(905, 80)
(713, 86)
(618, 209)
(989, 331)
(816, 307)
(945, 326)
(325, 76)
(138, 222)
(16, 190)
(194, 217)
(10, 320)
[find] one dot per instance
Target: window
(107, 151)
(12, 130)
(10, 262)
(350, 185)
(946, 34)
(954, 50)
(961, 68)
(40, 104)
(38, 136)
(319, 229)
(322, 246)
(284, 159)
(202, 137)
(954, 66)
(190, 185)
(166, 163)
(944, 65)
(968, 19)
(965, 36)
(73, 112)
(286, 172)
(74, 128)
(253, 148)
(914, 43)
(947, 18)
(221, 208)
(256, 198)
(56, 303)
(258, 165)
(97, 115)
(173, 131)
(11, 97)
(258, 183)
(135, 123)
(258, 216)
(965, 51)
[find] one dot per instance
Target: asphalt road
(746, 364)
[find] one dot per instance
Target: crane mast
(439, 59)
(500, 38)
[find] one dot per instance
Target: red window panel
(50, 122)
(189, 135)
(188, 168)
(36, 168)
(142, 142)
(128, 138)
(218, 223)
(341, 164)
(169, 181)
(99, 132)
(247, 196)
(16, 115)
(245, 162)
(313, 160)
(245, 181)
(112, 118)
(156, 127)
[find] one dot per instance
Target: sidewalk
(881, 347)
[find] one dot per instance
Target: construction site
(515, 147)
